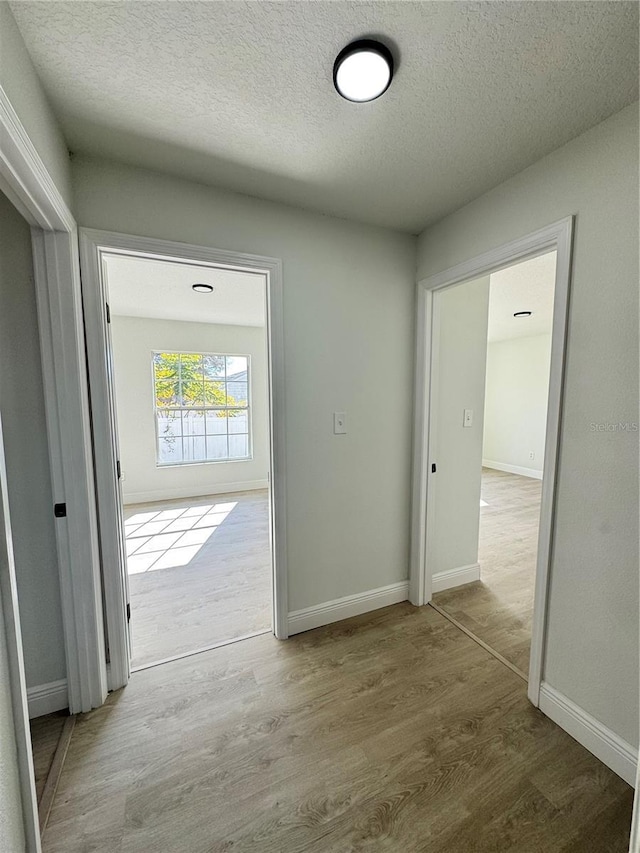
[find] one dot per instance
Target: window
(201, 406)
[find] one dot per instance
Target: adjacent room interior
(191, 395)
(515, 311)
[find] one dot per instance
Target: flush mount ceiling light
(522, 314)
(363, 71)
(202, 288)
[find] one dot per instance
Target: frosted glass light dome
(363, 71)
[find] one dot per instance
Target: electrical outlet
(532, 455)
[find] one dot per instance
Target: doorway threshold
(480, 642)
(199, 651)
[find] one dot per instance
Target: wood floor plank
(223, 590)
(498, 609)
(392, 731)
(45, 736)
(55, 771)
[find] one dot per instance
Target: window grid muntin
(203, 409)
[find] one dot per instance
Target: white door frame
(634, 846)
(26, 182)
(18, 685)
(558, 237)
(93, 246)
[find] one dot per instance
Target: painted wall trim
(24, 178)
(634, 847)
(512, 469)
(605, 744)
(455, 577)
(27, 183)
(349, 605)
(47, 698)
(190, 492)
(57, 278)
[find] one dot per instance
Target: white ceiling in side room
(240, 95)
(162, 290)
(527, 286)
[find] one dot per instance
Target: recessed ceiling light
(202, 288)
(363, 71)
(522, 314)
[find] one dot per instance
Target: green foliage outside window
(189, 379)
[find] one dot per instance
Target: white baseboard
(344, 608)
(512, 469)
(606, 745)
(47, 698)
(455, 577)
(193, 492)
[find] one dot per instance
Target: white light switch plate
(468, 418)
(339, 423)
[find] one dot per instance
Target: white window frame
(248, 408)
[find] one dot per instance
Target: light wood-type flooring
(45, 736)
(389, 732)
(199, 573)
(498, 608)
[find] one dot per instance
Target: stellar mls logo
(620, 426)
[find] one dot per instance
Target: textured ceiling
(140, 287)
(527, 286)
(240, 95)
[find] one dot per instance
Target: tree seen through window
(202, 407)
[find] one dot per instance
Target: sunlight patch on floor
(172, 537)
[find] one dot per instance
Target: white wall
(515, 414)
(27, 455)
(36, 564)
(592, 652)
(27, 448)
(20, 82)
(134, 339)
(461, 357)
(349, 330)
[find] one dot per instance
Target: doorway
(507, 374)
(190, 392)
(185, 364)
(447, 490)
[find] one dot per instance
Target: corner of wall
(25, 92)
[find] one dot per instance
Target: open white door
(113, 415)
(108, 488)
(459, 352)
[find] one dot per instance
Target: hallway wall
(22, 86)
(349, 292)
(27, 455)
(592, 648)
